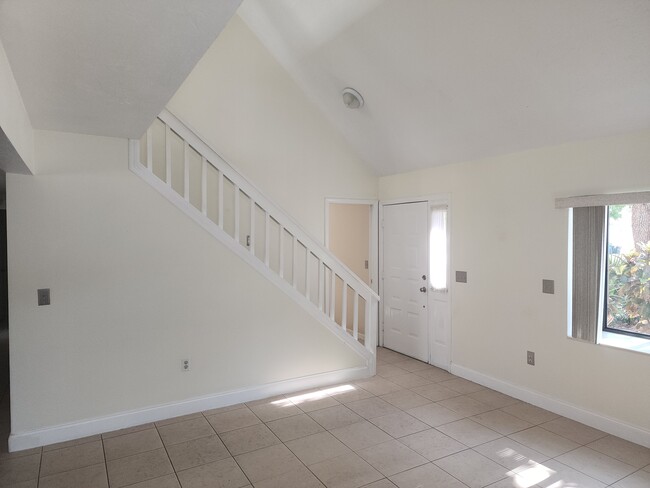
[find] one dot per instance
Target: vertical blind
(589, 240)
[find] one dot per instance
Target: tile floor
(410, 426)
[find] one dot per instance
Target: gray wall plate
(43, 296)
(548, 286)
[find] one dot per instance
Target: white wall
(14, 120)
(506, 233)
(246, 106)
(136, 286)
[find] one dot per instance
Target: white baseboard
(75, 430)
(629, 432)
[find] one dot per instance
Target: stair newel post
(368, 325)
(372, 315)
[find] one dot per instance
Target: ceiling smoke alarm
(352, 98)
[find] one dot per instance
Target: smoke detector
(352, 98)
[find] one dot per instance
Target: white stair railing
(179, 164)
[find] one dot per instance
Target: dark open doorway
(5, 427)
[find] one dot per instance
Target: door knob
(423, 289)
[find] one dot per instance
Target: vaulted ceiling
(454, 80)
(105, 67)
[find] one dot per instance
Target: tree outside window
(628, 269)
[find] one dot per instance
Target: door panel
(405, 261)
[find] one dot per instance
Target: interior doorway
(415, 316)
(351, 233)
(5, 427)
(4, 292)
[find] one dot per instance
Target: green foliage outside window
(628, 301)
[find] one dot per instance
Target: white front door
(405, 266)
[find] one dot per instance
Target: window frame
(592, 332)
(605, 293)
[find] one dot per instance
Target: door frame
(435, 199)
(373, 260)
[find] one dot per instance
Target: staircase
(175, 161)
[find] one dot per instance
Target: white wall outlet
(185, 364)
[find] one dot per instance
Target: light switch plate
(43, 296)
(461, 276)
(548, 286)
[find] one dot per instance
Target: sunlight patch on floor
(530, 474)
(314, 395)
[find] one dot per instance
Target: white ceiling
(454, 80)
(105, 67)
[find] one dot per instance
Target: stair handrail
(327, 288)
(193, 137)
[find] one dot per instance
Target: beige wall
(249, 110)
(349, 236)
(506, 233)
(349, 240)
(136, 286)
(14, 120)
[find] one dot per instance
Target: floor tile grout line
(71, 469)
(53, 449)
(105, 462)
(167, 452)
(229, 452)
(135, 453)
(582, 472)
(40, 464)
(460, 481)
(300, 460)
(587, 474)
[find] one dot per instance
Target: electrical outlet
(185, 364)
(530, 358)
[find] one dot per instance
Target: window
(627, 283)
(609, 298)
(438, 249)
